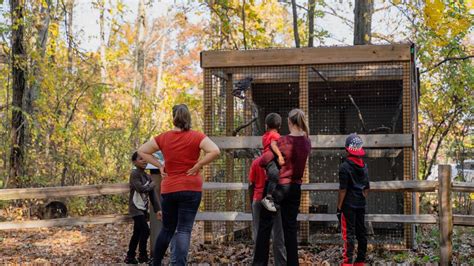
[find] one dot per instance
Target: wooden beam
(223, 216)
(445, 214)
(111, 189)
(464, 220)
(71, 221)
(306, 56)
(66, 191)
(386, 186)
(463, 187)
(369, 153)
(321, 141)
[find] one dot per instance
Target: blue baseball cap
(354, 145)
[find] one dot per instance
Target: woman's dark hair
(273, 121)
(181, 117)
(297, 117)
(134, 156)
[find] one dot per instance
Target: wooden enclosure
(368, 89)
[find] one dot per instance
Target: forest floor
(107, 244)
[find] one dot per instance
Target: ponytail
(181, 117)
(297, 118)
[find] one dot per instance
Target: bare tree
(69, 9)
(103, 61)
(311, 7)
(363, 11)
(244, 29)
(139, 82)
(295, 23)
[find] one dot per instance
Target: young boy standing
(141, 191)
(353, 189)
(269, 142)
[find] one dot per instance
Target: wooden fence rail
(444, 186)
(461, 220)
(110, 189)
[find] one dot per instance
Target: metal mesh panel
(362, 98)
(383, 165)
(407, 152)
(370, 98)
(367, 99)
(272, 89)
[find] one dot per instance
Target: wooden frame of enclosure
(303, 58)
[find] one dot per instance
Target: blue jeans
(179, 210)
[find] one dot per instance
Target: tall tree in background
(103, 59)
(18, 87)
(248, 24)
(311, 7)
(68, 20)
(139, 82)
(295, 23)
(363, 11)
(440, 31)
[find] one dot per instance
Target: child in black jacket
(142, 190)
(353, 189)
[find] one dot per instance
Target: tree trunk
(40, 46)
(311, 7)
(363, 11)
(295, 24)
(69, 17)
(159, 78)
(139, 84)
(103, 60)
(70, 55)
(18, 88)
(244, 29)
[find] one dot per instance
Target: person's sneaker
(268, 203)
(130, 260)
(144, 259)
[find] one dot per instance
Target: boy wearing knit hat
(353, 189)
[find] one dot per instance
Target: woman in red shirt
(181, 186)
(295, 148)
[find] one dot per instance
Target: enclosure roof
(306, 56)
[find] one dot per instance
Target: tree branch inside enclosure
(238, 129)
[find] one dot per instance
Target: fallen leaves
(106, 244)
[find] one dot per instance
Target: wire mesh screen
(362, 98)
(241, 99)
(339, 99)
(383, 165)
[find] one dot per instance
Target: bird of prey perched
(241, 86)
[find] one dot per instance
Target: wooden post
(445, 214)
(208, 122)
(155, 225)
(248, 115)
(229, 159)
(407, 153)
(304, 105)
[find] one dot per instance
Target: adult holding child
(181, 187)
(295, 148)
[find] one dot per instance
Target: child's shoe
(130, 260)
(144, 259)
(269, 204)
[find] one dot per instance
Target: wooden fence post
(155, 224)
(445, 214)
